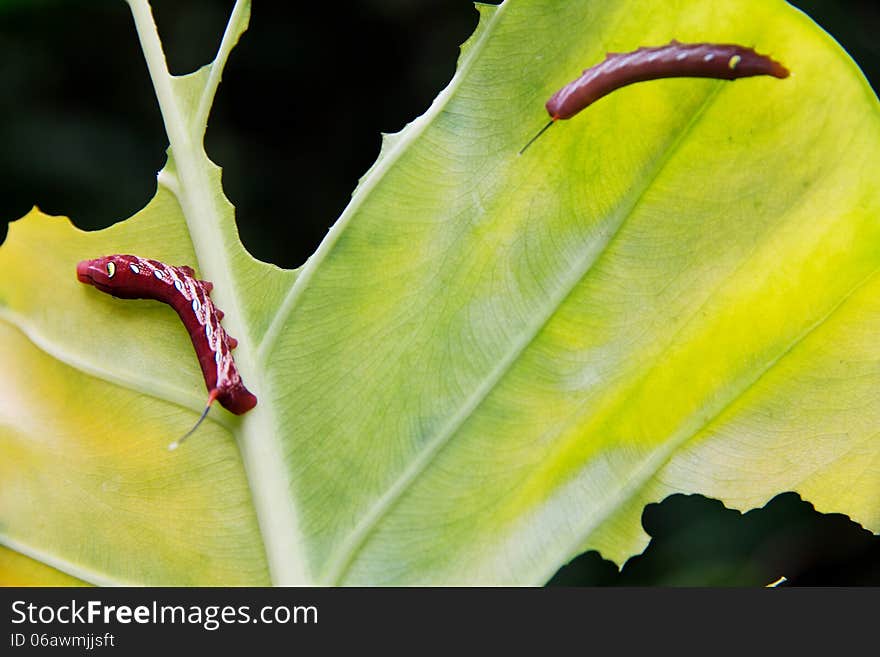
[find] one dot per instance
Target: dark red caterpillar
(131, 277)
(675, 60)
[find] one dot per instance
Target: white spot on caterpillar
(196, 305)
(178, 285)
(653, 56)
(734, 62)
(111, 269)
(134, 268)
(208, 331)
(681, 56)
(619, 61)
(709, 57)
(158, 274)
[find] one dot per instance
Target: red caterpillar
(131, 277)
(675, 60)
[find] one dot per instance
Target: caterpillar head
(108, 273)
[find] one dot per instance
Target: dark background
(296, 122)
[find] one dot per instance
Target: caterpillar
(132, 277)
(674, 60)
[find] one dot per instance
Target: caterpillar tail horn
(211, 397)
(540, 132)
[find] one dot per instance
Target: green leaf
(492, 362)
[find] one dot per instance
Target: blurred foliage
(74, 144)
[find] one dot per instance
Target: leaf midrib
(202, 202)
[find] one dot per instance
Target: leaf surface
(492, 362)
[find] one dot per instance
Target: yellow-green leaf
(493, 361)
